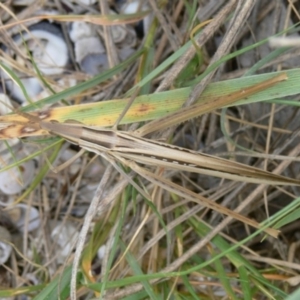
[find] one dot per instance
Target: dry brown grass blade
(200, 109)
(187, 194)
(207, 33)
(104, 20)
